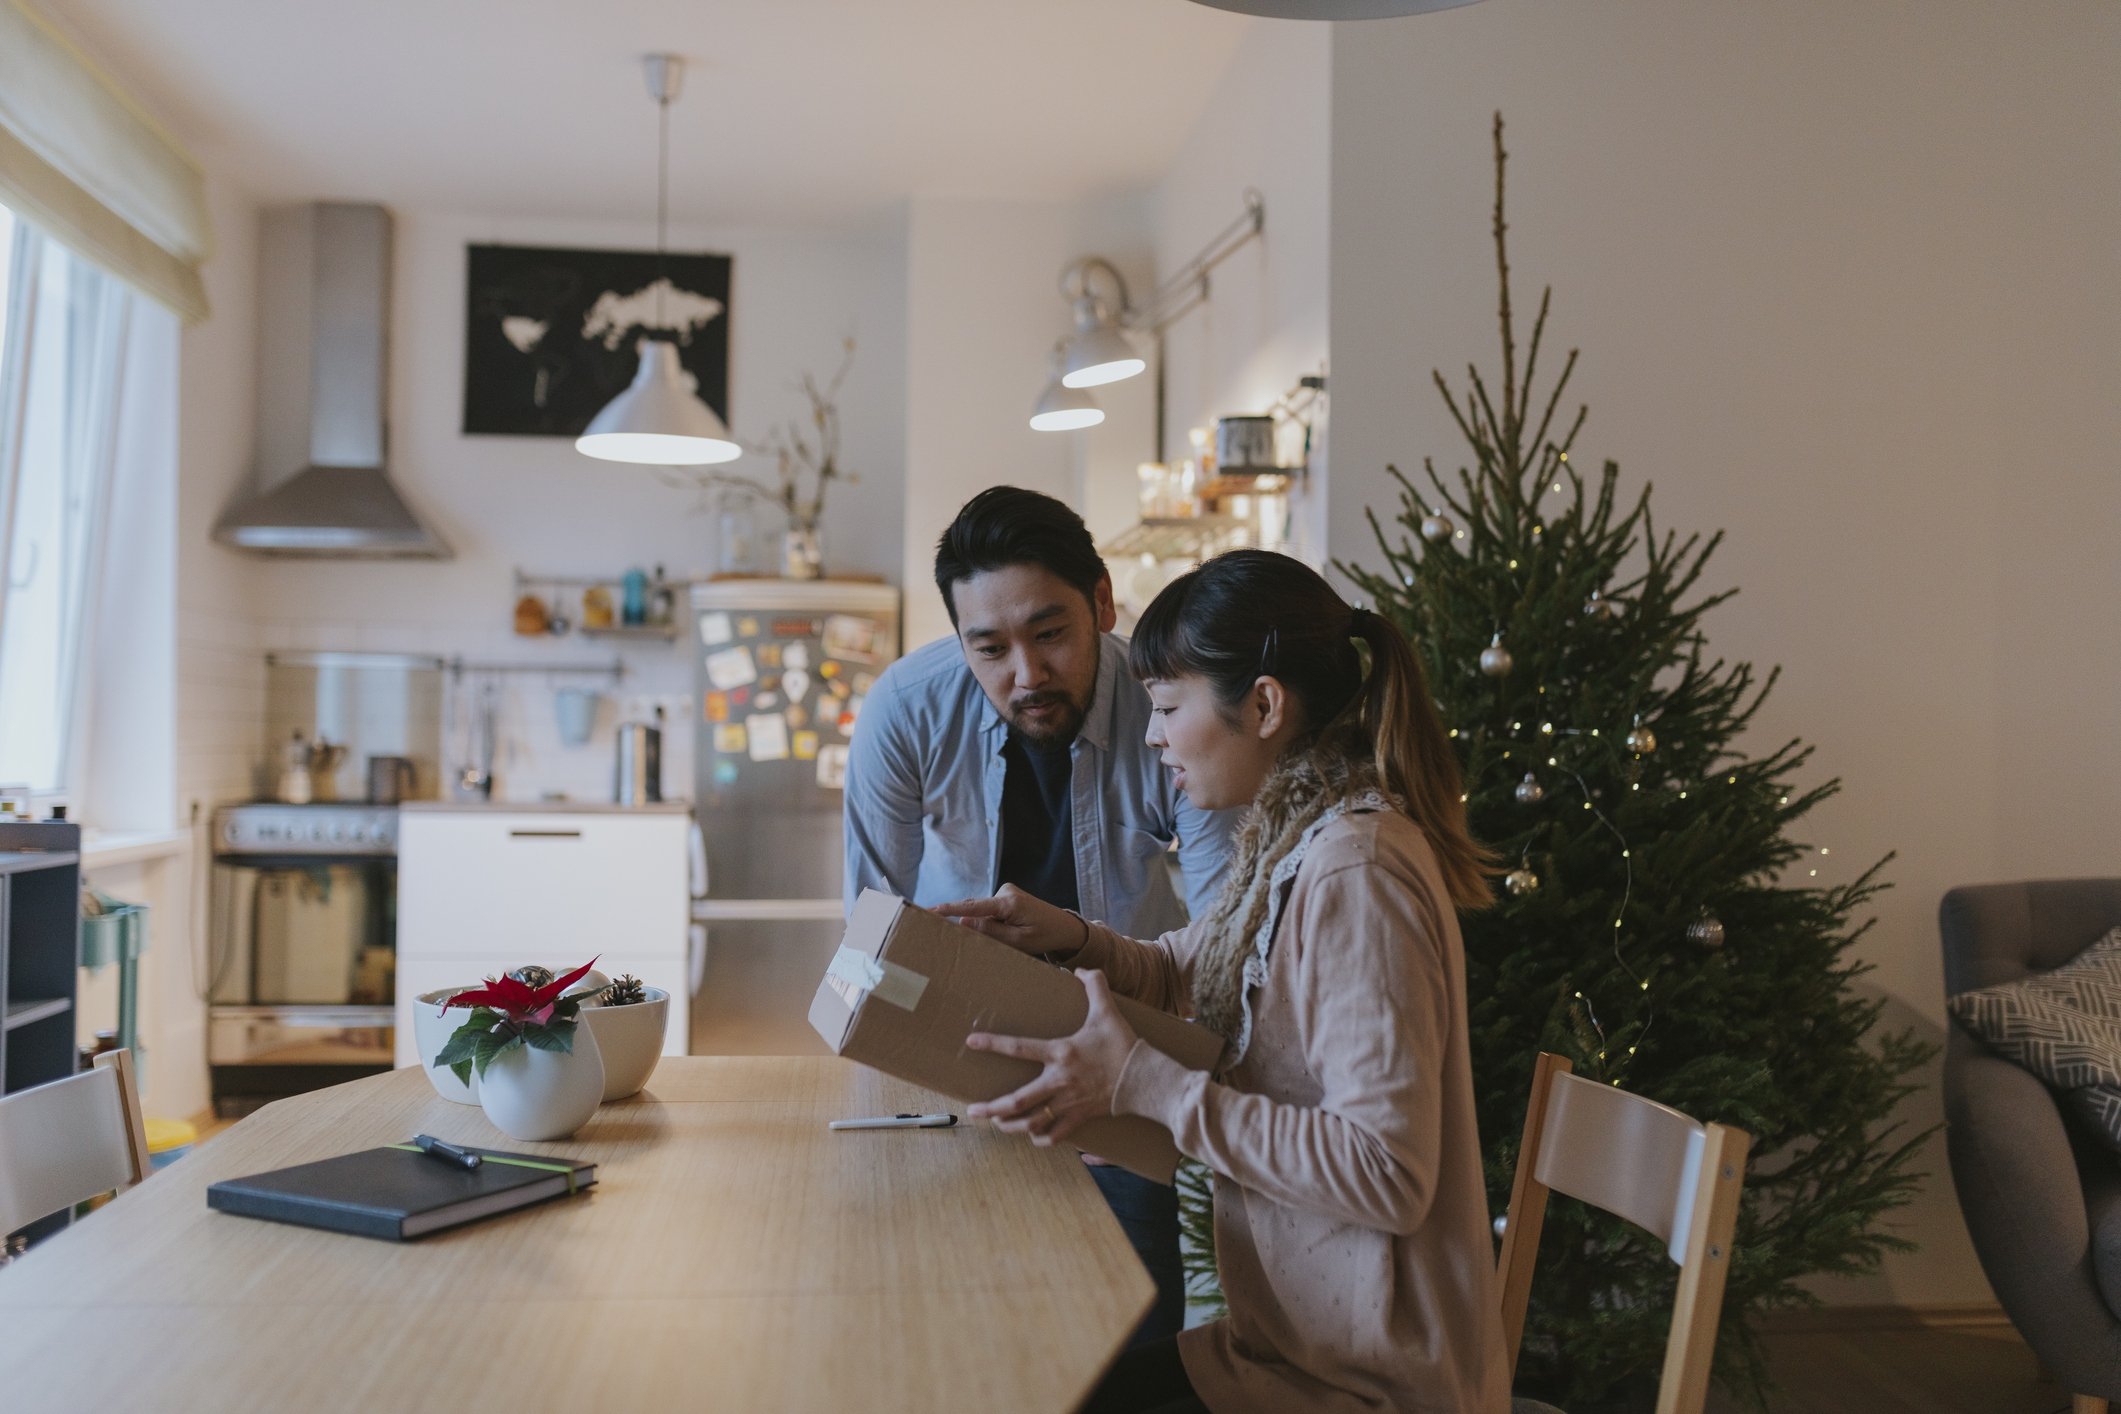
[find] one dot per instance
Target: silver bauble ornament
(1495, 660)
(1436, 528)
(1599, 607)
(1706, 931)
(1642, 741)
(1520, 881)
(1530, 791)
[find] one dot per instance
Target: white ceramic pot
(431, 1030)
(535, 1095)
(631, 1040)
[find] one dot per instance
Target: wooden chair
(1641, 1161)
(69, 1140)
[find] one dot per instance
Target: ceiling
(793, 110)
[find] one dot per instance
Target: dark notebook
(399, 1192)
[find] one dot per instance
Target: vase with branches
(806, 455)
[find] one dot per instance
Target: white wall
(983, 310)
(1843, 277)
(537, 504)
(1267, 127)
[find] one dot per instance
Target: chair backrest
(1996, 933)
(1644, 1162)
(69, 1140)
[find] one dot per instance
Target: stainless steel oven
(303, 928)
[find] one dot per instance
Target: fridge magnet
(550, 335)
(769, 682)
(863, 682)
(740, 697)
(839, 690)
(846, 724)
(729, 739)
(732, 667)
(846, 636)
(768, 700)
(747, 627)
(805, 746)
(795, 628)
(796, 683)
(717, 706)
(828, 671)
(725, 772)
(796, 657)
(797, 714)
(715, 630)
(769, 655)
(832, 767)
(769, 737)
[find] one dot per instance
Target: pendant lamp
(660, 419)
(1061, 408)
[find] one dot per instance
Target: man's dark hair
(1007, 525)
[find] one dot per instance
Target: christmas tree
(1658, 923)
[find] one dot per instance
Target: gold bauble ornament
(1436, 528)
(1530, 791)
(1520, 881)
(1642, 741)
(1706, 932)
(1495, 660)
(1600, 607)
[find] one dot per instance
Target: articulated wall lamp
(660, 418)
(1062, 408)
(1099, 351)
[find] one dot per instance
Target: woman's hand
(1081, 1071)
(1025, 923)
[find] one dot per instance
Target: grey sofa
(2043, 1203)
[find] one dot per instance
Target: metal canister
(1244, 444)
(640, 764)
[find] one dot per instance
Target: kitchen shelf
(1180, 537)
(23, 1013)
(665, 633)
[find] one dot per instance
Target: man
(1014, 754)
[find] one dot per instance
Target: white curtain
(69, 373)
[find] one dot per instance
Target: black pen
(447, 1153)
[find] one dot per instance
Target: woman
(1351, 1222)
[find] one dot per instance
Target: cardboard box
(907, 987)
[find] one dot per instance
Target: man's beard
(1057, 729)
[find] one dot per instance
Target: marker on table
(447, 1153)
(896, 1122)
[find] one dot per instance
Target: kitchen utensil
(639, 776)
(634, 607)
(576, 707)
(1244, 444)
(324, 759)
(556, 622)
(295, 785)
(390, 779)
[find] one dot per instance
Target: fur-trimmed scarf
(1303, 786)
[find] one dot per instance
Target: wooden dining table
(734, 1254)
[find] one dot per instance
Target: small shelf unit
(40, 959)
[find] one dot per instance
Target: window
(63, 327)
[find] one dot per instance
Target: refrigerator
(781, 668)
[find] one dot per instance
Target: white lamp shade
(659, 420)
(1099, 354)
(1064, 409)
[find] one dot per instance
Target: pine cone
(625, 991)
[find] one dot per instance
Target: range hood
(323, 375)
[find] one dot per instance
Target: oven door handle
(544, 834)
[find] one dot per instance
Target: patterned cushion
(2065, 1027)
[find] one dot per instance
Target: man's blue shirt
(924, 796)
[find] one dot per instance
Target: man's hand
(1025, 923)
(1081, 1071)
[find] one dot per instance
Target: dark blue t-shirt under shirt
(1038, 818)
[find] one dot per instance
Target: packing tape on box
(860, 973)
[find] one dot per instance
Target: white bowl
(631, 1038)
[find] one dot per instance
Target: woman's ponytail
(1414, 758)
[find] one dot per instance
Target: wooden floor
(1963, 1371)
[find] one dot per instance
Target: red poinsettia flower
(519, 1001)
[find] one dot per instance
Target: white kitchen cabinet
(483, 889)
